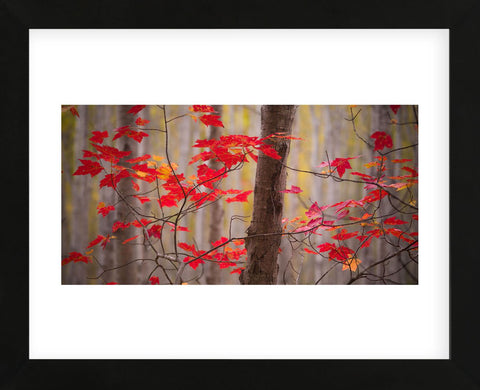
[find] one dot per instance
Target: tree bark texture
(124, 253)
(212, 271)
(264, 233)
(82, 190)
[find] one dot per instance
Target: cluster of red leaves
(104, 240)
(376, 187)
(222, 254)
(200, 108)
(382, 140)
(75, 257)
(207, 119)
(126, 131)
(231, 150)
(103, 209)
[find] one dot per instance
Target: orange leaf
(130, 239)
(352, 263)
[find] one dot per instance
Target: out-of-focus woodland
(327, 133)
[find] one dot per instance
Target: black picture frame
(461, 17)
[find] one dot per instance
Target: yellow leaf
(184, 283)
(151, 164)
(89, 252)
(141, 174)
(101, 205)
(352, 263)
(157, 158)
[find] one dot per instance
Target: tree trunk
(81, 195)
(124, 253)
(264, 232)
(216, 213)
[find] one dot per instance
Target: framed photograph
(397, 328)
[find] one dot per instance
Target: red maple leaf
(208, 176)
(199, 108)
(75, 257)
(136, 109)
(365, 240)
(120, 225)
(194, 264)
(342, 165)
(401, 160)
(142, 199)
(155, 231)
(270, 151)
(394, 221)
(98, 136)
(185, 246)
(129, 239)
(363, 176)
(237, 270)
(413, 172)
(135, 186)
(104, 210)
(178, 228)
(211, 120)
(111, 154)
(74, 111)
(293, 190)
(88, 154)
(342, 253)
(313, 211)
(154, 280)
(96, 241)
(138, 159)
(219, 242)
(139, 224)
(126, 131)
(89, 167)
(374, 195)
(394, 108)
(382, 140)
(141, 121)
(344, 235)
(167, 201)
(243, 197)
(111, 179)
(326, 247)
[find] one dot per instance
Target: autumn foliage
(346, 227)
